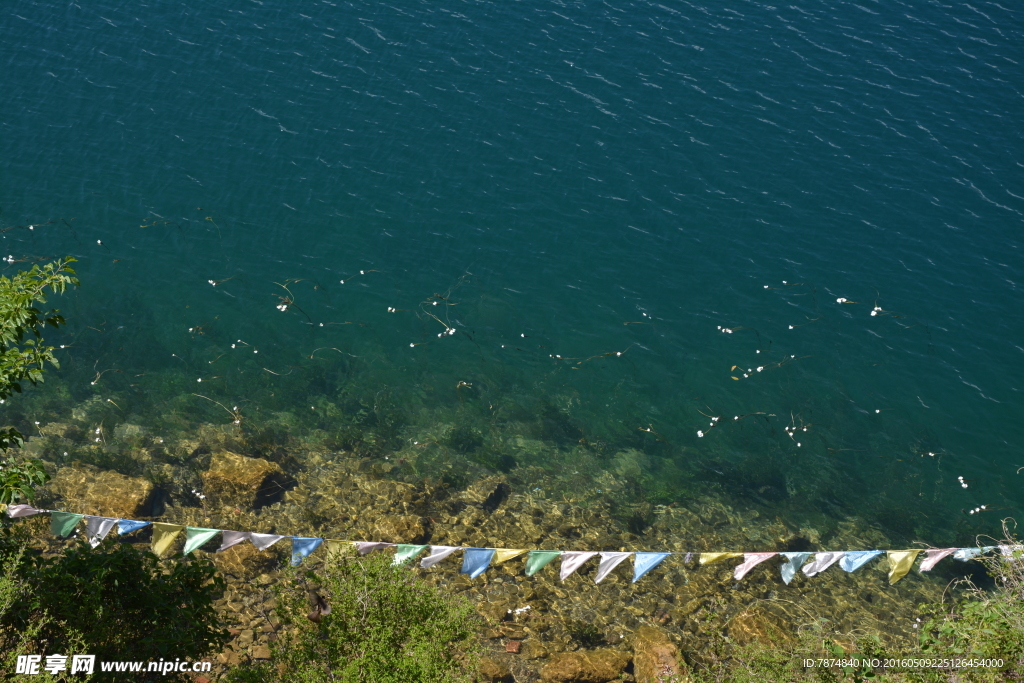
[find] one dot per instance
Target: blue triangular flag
(793, 563)
(855, 559)
(645, 562)
(126, 526)
(476, 560)
(302, 547)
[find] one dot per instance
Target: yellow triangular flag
(163, 535)
(502, 554)
(900, 562)
(708, 558)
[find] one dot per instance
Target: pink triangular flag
(750, 560)
(609, 561)
(932, 557)
(573, 560)
(22, 510)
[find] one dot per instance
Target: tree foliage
(120, 602)
(23, 355)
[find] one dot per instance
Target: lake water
(447, 228)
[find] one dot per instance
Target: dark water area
(444, 231)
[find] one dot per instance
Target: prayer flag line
(475, 561)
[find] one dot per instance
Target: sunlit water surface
(601, 226)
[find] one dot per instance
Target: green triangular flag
(63, 523)
(405, 553)
(538, 559)
(195, 537)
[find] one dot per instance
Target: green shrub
(384, 626)
(117, 602)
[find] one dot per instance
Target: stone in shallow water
(90, 491)
(494, 671)
(400, 529)
(656, 657)
(758, 625)
(244, 561)
(236, 480)
(587, 666)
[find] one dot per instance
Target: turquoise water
(560, 183)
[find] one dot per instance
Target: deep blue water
(584, 178)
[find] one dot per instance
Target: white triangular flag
(229, 539)
(573, 560)
(97, 528)
(821, 562)
(609, 561)
(264, 541)
(437, 553)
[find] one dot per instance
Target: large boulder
(656, 657)
(586, 666)
(235, 480)
(88, 490)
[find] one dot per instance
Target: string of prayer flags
(163, 535)
(438, 553)
(302, 546)
(232, 538)
(503, 554)
(475, 561)
(126, 526)
(538, 559)
(264, 541)
(853, 560)
(645, 562)
(573, 560)
(932, 557)
(709, 558)
(609, 561)
(197, 536)
(900, 562)
(97, 528)
(821, 562)
(792, 564)
(750, 560)
(63, 523)
(405, 553)
(22, 510)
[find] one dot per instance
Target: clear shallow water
(576, 180)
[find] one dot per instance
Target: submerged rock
(88, 490)
(656, 657)
(586, 666)
(755, 624)
(240, 481)
(494, 671)
(244, 561)
(401, 529)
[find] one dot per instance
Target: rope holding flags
(476, 561)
